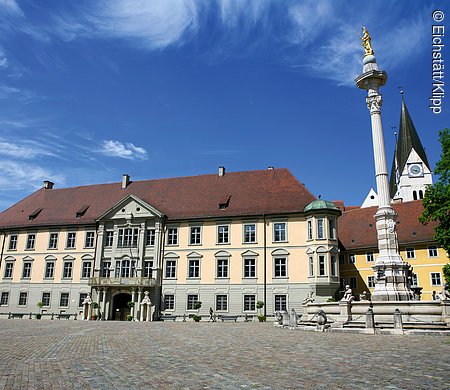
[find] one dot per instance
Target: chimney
(221, 171)
(48, 185)
(125, 181)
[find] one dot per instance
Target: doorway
(120, 306)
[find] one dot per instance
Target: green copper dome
(320, 204)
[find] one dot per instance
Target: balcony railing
(118, 281)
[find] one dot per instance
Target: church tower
(410, 173)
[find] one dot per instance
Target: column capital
(374, 103)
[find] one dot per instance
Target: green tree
(436, 201)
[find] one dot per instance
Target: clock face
(415, 170)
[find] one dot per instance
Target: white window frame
(86, 264)
(280, 267)
(432, 249)
(282, 232)
(252, 309)
(251, 234)
(172, 302)
(150, 237)
(223, 272)
(322, 262)
(352, 258)
(31, 242)
(4, 302)
(311, 266)
(332, 228)
(433, 277)
(172, 268)
(370, 257)
(53, 240)
(89, 241)
(71, 240)
(13, 239)
(320, 228)
(190, 303)
(47, 268)
(371, 281)
(26, 269)
(194, 268)
(23, 294)
(333, 265)
(224, 300)
(410, 252)
(147, 271)
(109, 238)
(223, 234)
(9, 270)
(195, 235)
(309, 229)
(278, 302)
(64, 269)
(172, 236)
(250, 267)
(66, 296)
(43, 300)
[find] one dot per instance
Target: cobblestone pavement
(131, 355)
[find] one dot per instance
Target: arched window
(415, 195)
(420, 194)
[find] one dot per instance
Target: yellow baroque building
(228, 240)
(358, 249)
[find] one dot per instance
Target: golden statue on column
(367, 42)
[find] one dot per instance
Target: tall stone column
(99, 251)
(104, 314)
(390, 270)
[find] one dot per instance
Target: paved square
(131, 355)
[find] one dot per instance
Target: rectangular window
(369, 257)
(320, 229)
(280, 265)
(352, 282)
(67, 269)
(279, 232)
(310, 230)
(169, 302)
(311, 266)
(86, 269)
(223, 234)
(106, 269)
(371, 281)
(151, 234)
(128, 238)
(31, 240)
(322, 268)
(64, 300)
(191, 299)
(46, 299)
(8, 270)
(436, 279)
(81, 299)
(109, 238)
(26, 272)
(23, 296)
(414, 280)
(194, 268)
(333, 266)
(332, 228)
(221, 302)
(4, 299)
(351, 258)
(222, 268)
(89, 242)
(12, 242)
(410, 253)
(195, 235)
(171, 269)
(280, 302)
(53, 241)
(148, 268)
(249, 268)
(432, 251)
(172, 236)
(49, 269)
(249, 233)
(249, 302)
(71, 236)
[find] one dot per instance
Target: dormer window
(224, 202)
(82, 211)
(34, 214)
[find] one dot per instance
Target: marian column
(390, 270)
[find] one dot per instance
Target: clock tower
(410, 173)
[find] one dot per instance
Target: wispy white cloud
(11, 7)
(18, 175)
(127, 150)
(25, 150)
(3, 59)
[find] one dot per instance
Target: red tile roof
(274, 191)
(357, 229)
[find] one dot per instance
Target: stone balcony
(125, 281)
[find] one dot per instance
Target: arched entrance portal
(120, 306)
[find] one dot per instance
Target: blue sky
(90, 90)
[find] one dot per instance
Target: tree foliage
(436, 201)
